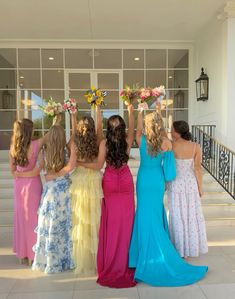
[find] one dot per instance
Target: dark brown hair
(181, 127)
(86, 140)
(116, 143)
(21, 140)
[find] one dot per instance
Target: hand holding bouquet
(52, 108)
(129, 95)
(95, 97)
(70, 106)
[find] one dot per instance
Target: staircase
(218, 206)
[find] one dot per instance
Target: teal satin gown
(151, 252)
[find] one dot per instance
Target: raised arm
(100, 160)
(198, 168)
(131, 126)
(74, 123)
(99, 125)
(139, 129)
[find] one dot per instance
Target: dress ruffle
(86, 191)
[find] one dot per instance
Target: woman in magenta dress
(118, 208)
(27, 190)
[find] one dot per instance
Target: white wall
(214, 50)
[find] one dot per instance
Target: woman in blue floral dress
(53, 249)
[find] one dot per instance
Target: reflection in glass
(108, 81)
(178, 79)
(178, 98)
(34, 115)
(52, 58)
(56, 95)
(106, 115)
(29, 58)
(78, 58)
(111, 100)
(174, 115)
(7, 99)
(7, 79)
(30, 99)
(7, 119)
(78, 95)
(48, 121)
(133, 59)
(178, 58)
(52, 79)
(29, 79)
(155, 78)
(155, 58)
(8, 58)
(79, 80)
(131, 78)
(108, 58)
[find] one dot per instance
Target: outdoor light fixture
(202, 86)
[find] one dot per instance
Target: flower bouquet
(52, 108)
(70, 106)
(95, 97)
(129, 95)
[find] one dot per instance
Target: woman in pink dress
(118, 207)
(27, 190)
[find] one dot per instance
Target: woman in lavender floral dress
(186, 221)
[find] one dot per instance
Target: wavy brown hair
(154, 129)
(116, 143)
(86, 140)
(21, 140)
(54, 150)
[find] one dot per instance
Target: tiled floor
(19, 282)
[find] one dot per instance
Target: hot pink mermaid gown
(27, 194)
(117, 218)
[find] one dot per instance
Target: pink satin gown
(117, 218)
(27, 194)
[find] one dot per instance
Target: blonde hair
(21, 140)
(86, 140)
(55, 149)
(154, 129)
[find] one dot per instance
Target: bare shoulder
(166, 145)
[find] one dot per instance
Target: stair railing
(217, 159)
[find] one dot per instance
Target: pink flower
(65, 106)
(73, 100)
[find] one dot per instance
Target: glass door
(77, 82)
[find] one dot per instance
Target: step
(4, 166)
(6, 236)
(215, 195)
(5, 174)
(4, 155)
(220, 222)
(6, 192)
(6, 217)
(218, 210)
(6, 203)
(6, 183)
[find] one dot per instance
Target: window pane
(178, 79)
(5, 140)
(29, 58)
(79, 80)
(7, 119)
(7, 99)
(108, 81)
(133, 59)
(108, 58)
(30, 99)
(78, 95)
(8, 58)
(52, 79)
(155, 78)
(111, 100)
(29, 79)
(177, 99)
(155, 59)
(177, 58)
(131, 78)
(7, 79)
(56, 95)
(174, 115)
(52, 58)
(79, 58)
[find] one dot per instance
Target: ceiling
(106, 19)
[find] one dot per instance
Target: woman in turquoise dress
(151, 252)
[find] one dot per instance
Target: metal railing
(217, 159)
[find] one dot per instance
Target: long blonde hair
(21, 140)
(55, 149)
(154, 129)
(86, 140)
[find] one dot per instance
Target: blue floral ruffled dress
(53, 250)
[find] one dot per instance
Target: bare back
(184, 149)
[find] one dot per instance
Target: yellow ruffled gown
(86, 193)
